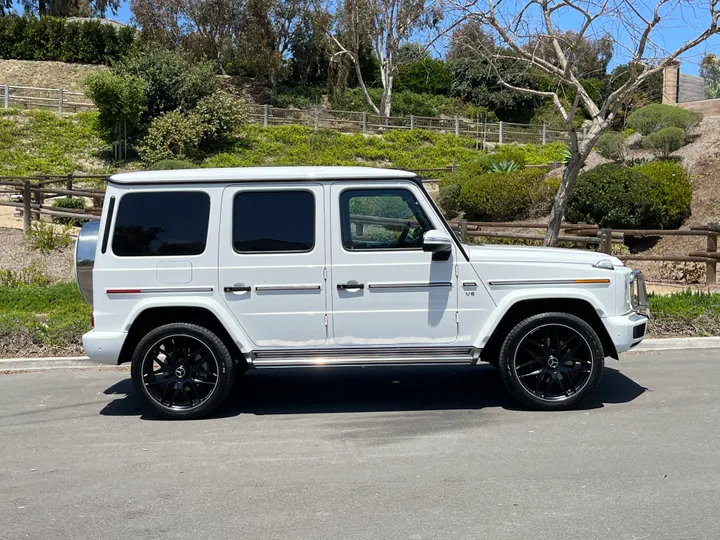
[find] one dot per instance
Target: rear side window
(161, 224)
(267, 221)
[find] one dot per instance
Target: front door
(272, 263)
(385, 289)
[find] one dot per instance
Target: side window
(382, 219)
(161, 224)
(272, 221)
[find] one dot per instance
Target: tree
(710, 72)
(519, 23)
(201, 27)
(70, 8)
(6, 7)
(386, 24)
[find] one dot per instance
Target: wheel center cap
(553, 362)
(180, 372)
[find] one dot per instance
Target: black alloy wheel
(552, 361)
(182, 370)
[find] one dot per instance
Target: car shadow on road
(374, 389)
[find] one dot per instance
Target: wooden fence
(30, 194)
(478, 128)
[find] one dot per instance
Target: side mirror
(439, 244)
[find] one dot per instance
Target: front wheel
(182, 371)
(552, 361)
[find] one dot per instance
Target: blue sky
(684, 24)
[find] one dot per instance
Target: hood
(531, 254)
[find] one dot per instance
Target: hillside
(45, 74)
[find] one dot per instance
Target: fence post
(500, 132)
(412, 121)
(606, 241)
(39, 201)
(27, 205)
(69, 185)
(364, 123)
(711, 267)
(60, 99)
(544, 133)
(457, 126)
(266, 115)
(463, 230)
(7, 96)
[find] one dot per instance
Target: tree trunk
(386, 101)
(572, 169)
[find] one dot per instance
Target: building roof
(258, 174)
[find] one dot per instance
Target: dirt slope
(45, 74)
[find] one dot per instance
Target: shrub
(172, 80)
(119, 99)
(449, 200)
(614, 196)
(671, 189)
(76, 203)
(46, 238)
(612, 146)
(172, 135)
(497, 197)
(222, 116)
(657, 116)
(510, 152)
(33, 274)
(170, 165)
(665, 141)
(504, 166)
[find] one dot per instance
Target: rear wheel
(182, 371)
(552, 361)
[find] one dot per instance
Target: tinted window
(274, 221)
(382, 219)
(161, 224)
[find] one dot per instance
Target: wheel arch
(155, 316)
(523, 309)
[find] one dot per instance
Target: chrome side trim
(410, 285)
(469, 284)
(560, 281)
(150, 290)
(365, 356)
(268, 288)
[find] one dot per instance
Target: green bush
(509, 152)
(171, 165)
(222, 116)
(46, 238)
(75, 203)
(497, 197)
(671, 189)
(665, 141)
(614, 196)
(657, 116)
(54, 39)
(172, 80)
(612, 146)
(118, 98)
(173, 135)
(33, 274)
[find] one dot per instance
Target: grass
(42, 142)
(52, 319)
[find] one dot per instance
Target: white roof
(258, 174)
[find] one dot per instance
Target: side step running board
(365, 356)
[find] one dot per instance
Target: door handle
(350, 286)
(244, 288)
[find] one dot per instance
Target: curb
(83, 362)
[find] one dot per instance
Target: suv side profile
(195, 276)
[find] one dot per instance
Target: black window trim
(282, 251)
(376, 188)
(183, 256)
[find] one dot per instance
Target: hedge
(53, 39)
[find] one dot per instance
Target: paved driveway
(367, 454)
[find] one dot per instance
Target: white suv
(197, 275)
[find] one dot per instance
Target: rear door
(272, 262)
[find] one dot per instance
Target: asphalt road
(367, 454)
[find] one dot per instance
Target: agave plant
(505, 166)
(567, 154)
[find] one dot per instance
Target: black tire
(551, 361)
(193, 366)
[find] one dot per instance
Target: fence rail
(478, 128)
